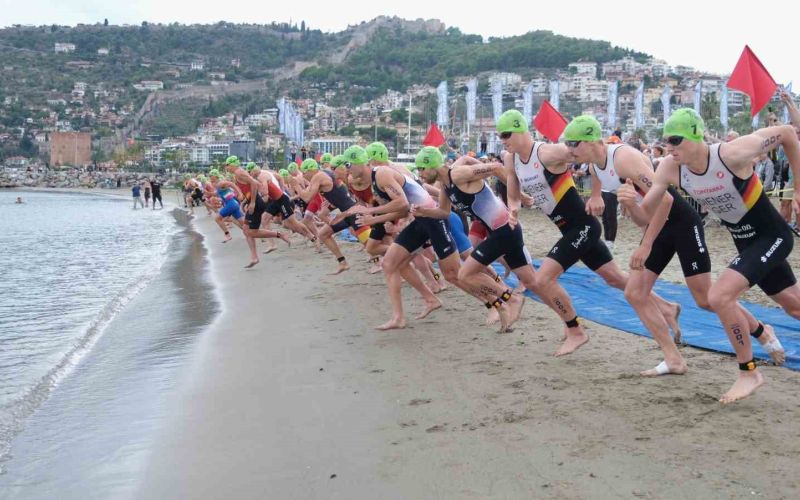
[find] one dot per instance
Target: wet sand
(293, 394)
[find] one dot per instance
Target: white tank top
(532, 181)
(729, 197)
(608, 176)
(609, 179)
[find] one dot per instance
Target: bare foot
(251, 264)
(672, 321)
(769, 341)
(228, 238)
(505, 319)
(342, 268)
(745, 385)
(393, 324)
(493, 317)
(575, 339)
(376, 267)
(664, 369)
(429, 308)
(285, 239)
(515, 305)
(271, 247)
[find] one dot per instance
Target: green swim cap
(326, 158)
(202, 178)
(583, 128)
(232, 160)
(429, 157)
(511, 121)
(213, 173)
(283, 172)
(250, 166)
(686, 123)
(309, 164)
(292, 168)
(377, 151)
(338, 161)
(187, 176)
(356, 155)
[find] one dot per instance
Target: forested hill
(395, 59)
(391, 53)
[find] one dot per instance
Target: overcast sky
(706, 35)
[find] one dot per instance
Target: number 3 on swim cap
(516, 123)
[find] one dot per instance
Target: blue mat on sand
(596, 301)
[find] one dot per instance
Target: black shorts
(254, 219)
(197, 195)
(343, 224)
(580, 240)
(422, 229)
(762, 256)
(282, 205)
(688, 240)
(503, 242)
(378, 232)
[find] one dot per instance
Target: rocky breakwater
(62, 179)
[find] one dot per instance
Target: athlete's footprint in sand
(418, 402)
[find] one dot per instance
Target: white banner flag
(554, 91)
(638, 107)
(723, 107)
(497, 99)
(698, 94)
(441, 109)
(665, 107)
(472, 98)
(527, 103)
(788, 90)
(282, 115)
(611, 111)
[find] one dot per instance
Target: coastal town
(96, 126)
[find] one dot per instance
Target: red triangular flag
(549, 121)
(434, 137)
(319, 157)
(750, 77)
(298, 159)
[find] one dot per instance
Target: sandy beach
(293, 394)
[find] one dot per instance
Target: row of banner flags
(290, 123)
(749, 76)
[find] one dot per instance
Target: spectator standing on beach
(483, 141)
(156, 186)
(765, 170)
(146, 193)
(136, 190)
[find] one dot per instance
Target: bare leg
(221, 224)
(618, 279)
(326, 236)
(700, 284)
(395, 258)
(637, 293)
(722, 298)
(545, 285)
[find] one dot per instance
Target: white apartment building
(584, 68)
(64, 48)
(332, 145)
